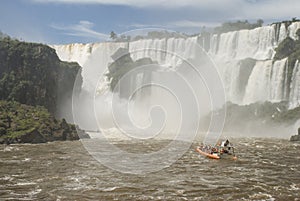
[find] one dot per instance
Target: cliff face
(120, 67)
(32, 74)
(34, 84)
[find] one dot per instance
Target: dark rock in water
(32, 137)
(296, 137)
(81, 133)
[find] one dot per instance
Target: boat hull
(212, 156)
(215, 156)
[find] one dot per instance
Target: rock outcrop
(21, 123)
(122, 65)
(296, 137)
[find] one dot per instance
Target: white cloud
(82, 29)
(275, 9)
(210, 12)
(152, 3)
(233, 9)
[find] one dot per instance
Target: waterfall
(230, 76)
(75, 52)
(258, 83)
(277, 81)
(257, 43)
(162, 50)
(282, 33)
(295, 87)
(97, 63)
(292, 29)
(265, 80)
(148, 48)
(99, 54)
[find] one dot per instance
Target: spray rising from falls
(170, 83)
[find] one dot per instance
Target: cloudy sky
(69, 21)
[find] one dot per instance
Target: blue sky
(69, 21)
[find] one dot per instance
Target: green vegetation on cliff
(21, 123)
(32, 74)
(33, 85)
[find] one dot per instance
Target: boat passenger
(225, 143)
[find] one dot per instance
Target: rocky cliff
(34, 84)
(32, 74)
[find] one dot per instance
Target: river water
(267, 169)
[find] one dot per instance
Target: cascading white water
(256, 43)
(230, 48)
(99, 54)
(148, 48)
(292, 29)
(295, 87)
(75, 52)
(97, 63)
(282, 33)
(258, 83)
(162, 50)
(266, 82)
(277, 81)
(230, 75)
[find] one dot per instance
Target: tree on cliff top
(113, 35)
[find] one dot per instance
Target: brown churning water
(266, 169)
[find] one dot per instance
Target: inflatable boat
(223, 150)
(209, 155)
